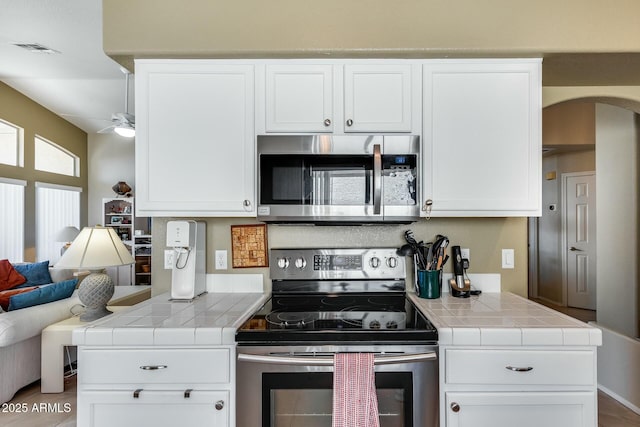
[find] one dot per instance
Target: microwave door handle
(377, 179)
(328, 361)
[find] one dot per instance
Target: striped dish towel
(355, 403)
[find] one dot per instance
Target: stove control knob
(300, 263)
(374, 324)
(283, 263)
(392, 262)
(392, 324)
(374, 262)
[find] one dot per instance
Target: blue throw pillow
(43, 295)
(36, 273)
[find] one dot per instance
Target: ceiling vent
(35, 47)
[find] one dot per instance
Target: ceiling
(80, 83)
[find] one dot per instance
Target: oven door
(293, 386)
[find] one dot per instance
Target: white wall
(111, 159)
(617, 213)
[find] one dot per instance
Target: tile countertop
(503, 318)
(211, 319)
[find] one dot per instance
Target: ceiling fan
(124, 124)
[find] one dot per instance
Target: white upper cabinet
(381, 96)
(299, 98)
(195, 141)
(482, 147)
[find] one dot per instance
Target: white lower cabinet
(518, 386)
(509, 409)
(155, 408)
(156, 386)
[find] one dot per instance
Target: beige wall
(210, 28)
(569, 123)
(483, 236)
(37, 120)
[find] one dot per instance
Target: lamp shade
(67, 234)
(94, 248)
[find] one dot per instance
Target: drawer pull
(187, 393)
(219, 405)
(153, 367)
(517, 369)
(136, 394)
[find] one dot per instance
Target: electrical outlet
(168, 259)
(465, 253)
(221, 260)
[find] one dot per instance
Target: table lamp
(67, 234)
(94, 249)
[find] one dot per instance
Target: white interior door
(580, 243)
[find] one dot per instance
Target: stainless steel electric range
(327, 301)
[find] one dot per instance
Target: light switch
(508, 258)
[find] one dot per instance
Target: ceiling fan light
(125, 130)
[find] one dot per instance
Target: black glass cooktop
(364, 318)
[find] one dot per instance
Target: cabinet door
(153, 408)
(299, 98)
(378, 98)
(535, 409)
(195, 140)
(482, 148)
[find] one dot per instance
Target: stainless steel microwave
(344, 178)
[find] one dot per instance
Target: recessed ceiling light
(35, 47)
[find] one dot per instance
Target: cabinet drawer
(154, 408)
(150, 366)
(523, 367)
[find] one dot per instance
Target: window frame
(19, 160)
(75, 158)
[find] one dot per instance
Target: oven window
(316, 180)
(305, 399)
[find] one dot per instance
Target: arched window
(11, 152)
(50, 157)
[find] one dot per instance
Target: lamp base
(94, 292)
(94, 314)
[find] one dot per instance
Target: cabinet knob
(219, 405)
(427, 207)
(349, 122)
(327, 122)
(455, 407)
(246, 203)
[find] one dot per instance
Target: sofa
(20, 332)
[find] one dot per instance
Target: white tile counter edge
(230, 300)
(448, 314)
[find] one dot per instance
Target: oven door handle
(328, 361)
(377, 179)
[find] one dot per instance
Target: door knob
(573, 249)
